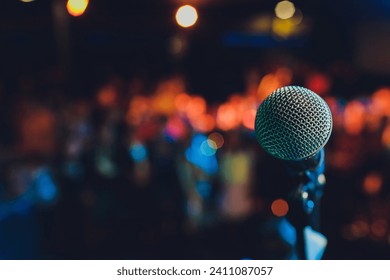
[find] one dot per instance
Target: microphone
(293, 124)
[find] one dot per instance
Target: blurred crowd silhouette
(142, 170)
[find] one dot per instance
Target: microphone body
(293, 124)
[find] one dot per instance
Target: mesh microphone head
(293, 123)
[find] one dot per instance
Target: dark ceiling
(131, 37)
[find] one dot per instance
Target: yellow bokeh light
(283, 28)
(77, 7)
(27, 1)
(186, 16)
(285, 10)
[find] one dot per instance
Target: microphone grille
(293, 123)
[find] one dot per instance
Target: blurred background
(126, 127)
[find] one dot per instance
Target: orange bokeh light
(139, 108)
(267, 85)
(196, 107)
(227, 117)
(107, 96)
(284, 75)
(182, 100)
(273, 81)
(203, 123)
(279, 207)
(372, 183)
(381, 101)
(386, 136)
(354, 117)
(248, 119)
(379, 228)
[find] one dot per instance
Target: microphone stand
(304, 201)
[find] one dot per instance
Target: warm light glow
(203, 123)
(261, 24)
(273, 81)
(285, 10)
(372, 183)
(217, 138)
(284, 75)
(283, 28)
(386, 136)
(354, 117)
(196, 107)
(267, 85)
(138, 108)
(77, 7)
(381, 101)
(227, 117)
(379, 228)
(248, 119)
(319, 83)
(186, 16)
(182, 100)
(279, 207)
(27, 1)
(163, 102)
(359, 229)
(107, 96)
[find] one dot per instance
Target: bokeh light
(386, 137)
(107, 96)
(138, 152)
(285, 10)
(379, 228)
(203, 123)
(176, 128)
(227, 117)
(139, 108)
(77, 7)
(272, 81)
(381, 101)
(359, 229)
(208, 148)
(372, 183)
(248, 119)
(283, 28)
(217, 138)
(195, 154)
(279, 207)
(354, 115)
(186, 16)
(319, 83)
(196, 107)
